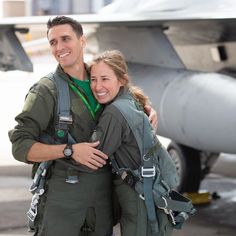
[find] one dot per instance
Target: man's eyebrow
(50, 41)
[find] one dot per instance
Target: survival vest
(157, 176)
(61, 135)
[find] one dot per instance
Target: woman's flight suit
(116, 138)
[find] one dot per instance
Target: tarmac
(14, 199)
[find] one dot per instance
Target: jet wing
(183, 25)
(218, 13)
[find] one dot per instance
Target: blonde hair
(116, 61)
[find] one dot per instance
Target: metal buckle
(123, 175)
(72, 179)
(142, 197)
(165, 207)
(32, 188)
(31, 214)
(148, 172)
(168, 211)
(146, 157)
(172, 217)
(65, 119)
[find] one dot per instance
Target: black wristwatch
(68, 151)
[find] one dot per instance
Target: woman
(110, 83)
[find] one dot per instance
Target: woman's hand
(152, 116)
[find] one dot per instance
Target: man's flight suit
(67, 206)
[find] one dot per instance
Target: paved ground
(14, 198)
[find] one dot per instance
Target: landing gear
(188, 164)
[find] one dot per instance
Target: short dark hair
(62, 20)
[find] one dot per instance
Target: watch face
(67, 152)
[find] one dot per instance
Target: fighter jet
(181, 53)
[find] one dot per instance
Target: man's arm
(83, 153)
(37, 114)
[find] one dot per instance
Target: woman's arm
(109, 130)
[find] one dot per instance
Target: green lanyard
(93, 113)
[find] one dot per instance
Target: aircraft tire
(188, 165)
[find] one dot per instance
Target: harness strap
(148, 172)
(148, 168)
(41, 172)
(63, 99)
(63, 108)
(62, 135)
(149, 202)
(37, 188)
(115, 166)
(175, 201)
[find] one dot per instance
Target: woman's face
(104, 83)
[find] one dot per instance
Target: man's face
(65, 45)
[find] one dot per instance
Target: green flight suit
(66, 206)
(116, 138)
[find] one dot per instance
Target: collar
(66, 76)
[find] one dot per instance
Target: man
(85, 205)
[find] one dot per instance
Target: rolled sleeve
(34, 120)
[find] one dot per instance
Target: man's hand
(87, 154)
(152, 116)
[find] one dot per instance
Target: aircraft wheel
(188, 164)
